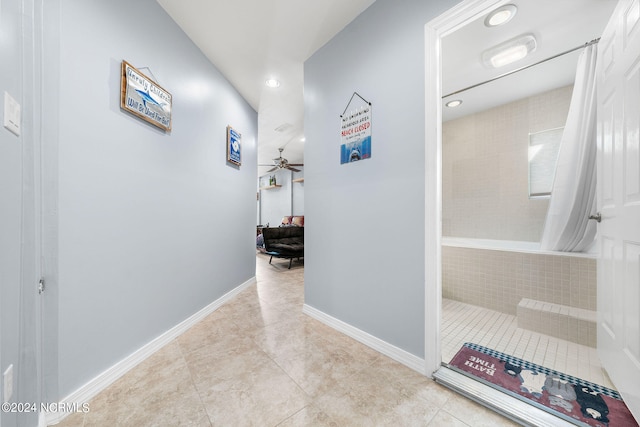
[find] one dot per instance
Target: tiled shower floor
(468, 323)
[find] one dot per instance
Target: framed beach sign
(145, 98)
(233, 146)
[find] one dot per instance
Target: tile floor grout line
(193, 383)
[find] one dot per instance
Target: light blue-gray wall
(297, 192)
(275, 202)
(11, 168)
(278, 202)
(19, 195)
(152, 226)
(365, 221)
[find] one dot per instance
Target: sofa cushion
(286, 241)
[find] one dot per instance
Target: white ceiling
(558, 25)
(250, 41)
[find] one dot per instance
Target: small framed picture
(233, 146)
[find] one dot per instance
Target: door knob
(597, 217)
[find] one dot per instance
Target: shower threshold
(508, 406)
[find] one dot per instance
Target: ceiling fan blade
(273, 169)
(293, 169)
(296, 164)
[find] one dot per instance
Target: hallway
(259, 361)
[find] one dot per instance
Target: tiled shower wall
(499, 280)
(485, 169)
(485, 182)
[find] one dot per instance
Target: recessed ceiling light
(501, 15)
(272, 83)
(303, 139)
(454, 103)
(510, 51)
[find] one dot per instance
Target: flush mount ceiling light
(272, 83)
(453, 104)
(510, 51)
(501, 15)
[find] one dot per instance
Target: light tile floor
(259, 361)
(499, 331)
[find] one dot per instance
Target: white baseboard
(108, 377)
(397, 354)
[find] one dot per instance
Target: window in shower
(543, 158)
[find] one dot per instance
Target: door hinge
(41, 286)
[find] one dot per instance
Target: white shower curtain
(573, 197)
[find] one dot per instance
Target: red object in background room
(296, 220)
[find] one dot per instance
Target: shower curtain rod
(594, 41)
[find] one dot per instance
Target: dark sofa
(284, 242)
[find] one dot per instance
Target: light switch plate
(7, 379)
(12, 114)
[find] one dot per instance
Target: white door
(618, 92)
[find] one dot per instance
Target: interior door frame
(447, 23)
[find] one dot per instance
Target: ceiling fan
(282, 163)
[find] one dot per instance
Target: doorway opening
(516, 300)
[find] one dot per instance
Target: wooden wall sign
(144, 98)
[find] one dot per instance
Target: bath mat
(575, 400)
